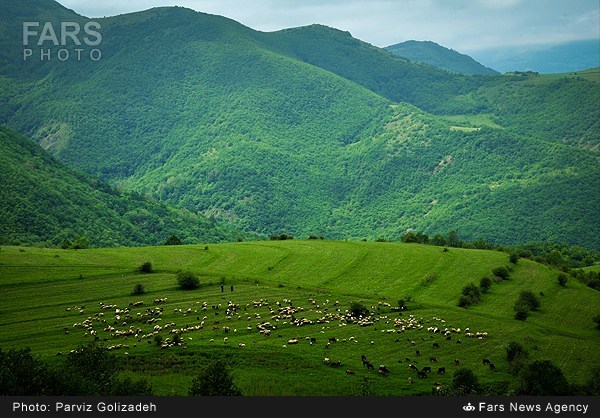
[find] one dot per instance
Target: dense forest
(307, 131)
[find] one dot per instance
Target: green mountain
(434, 54)
(44, 202)
(310, 131)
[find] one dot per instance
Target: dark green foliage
(357, 309)
(187, 280)
(562, 279)
(81, 243)
(138, 289)
(589, 278)
(529, 299)
(452, 240)
(145, 267)
(431, 53)
(280, 237)
(559, 254)
(173, 240)
(417, 237)
(514, 257)
(214, 380)
(484, 284)
(501, 272)
(89, 370)
(521, 310)
(22, 373)
(517, 357)
(541, 378)
(292, 132)
(464, 382)
(596, 319)
(470, 294)
(61, 207)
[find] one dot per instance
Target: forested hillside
(311, 131)
(44, 202)
(431, 53)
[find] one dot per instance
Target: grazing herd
(136, 323)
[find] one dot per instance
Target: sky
(463, 25)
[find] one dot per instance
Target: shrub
(484, 284)
(521, 310)
(562, 279)
(530, 299)
(138, 289)
(358, 309)
(464, 301)
(470, 295)
(464, 382)
(187, 280)
(145, 267)
(596, 319)
(517, 357)
(214, 380)
(173, 240)
(513, 258)
(541, 378)
(501, 272)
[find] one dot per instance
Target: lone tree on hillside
(187, 280)
(357, 309)
(214, 380)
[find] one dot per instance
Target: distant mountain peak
(431, 53)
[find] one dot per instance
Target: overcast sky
(463, 25)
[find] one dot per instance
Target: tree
(173, 240)
(501, 272)
(541, 378)
(562, 279)
(470, 294)
(357, 309)
(556, 258)
(187, 280)
(464, 382)
(214, 380)
(438, 240)
(521, 310)
(453, 240)
(596, 319)
(22, 374)
(517, 357)
(530, 299)
(138, 289)
(514, 257)
(484, 284)
(145, 267)
(81, 243)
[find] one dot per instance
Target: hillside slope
(431, 53)
(44, 202)
(318, 280)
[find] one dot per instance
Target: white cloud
(464, 25)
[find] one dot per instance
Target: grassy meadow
(302, 288)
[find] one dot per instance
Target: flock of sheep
(125, 327)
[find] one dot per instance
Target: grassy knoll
(47, 295)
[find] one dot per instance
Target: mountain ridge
(439, 56)
(311, 131)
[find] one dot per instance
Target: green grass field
(46, 296)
